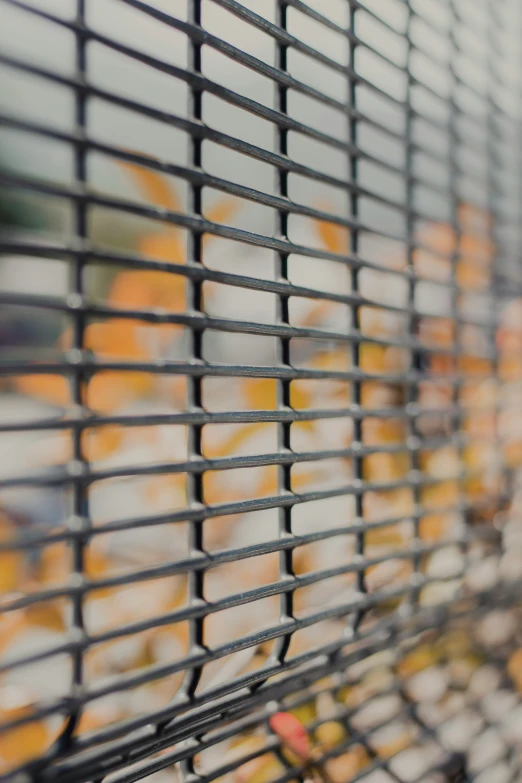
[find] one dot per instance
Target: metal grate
(259, 378)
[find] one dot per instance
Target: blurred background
(436, 293)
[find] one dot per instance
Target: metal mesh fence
(260, 362)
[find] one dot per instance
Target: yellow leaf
(153, 185)
(331, 360)
(148, 289)
(432, 527)
(316, 314)
(372, 357)
(258, 770)
(261, 394)
(343, 768)
(50, 388)
(235, 440)
(161, 486)
(471, 275)
(416, 661)
(163, 247)
(440, 237)
(388, 749)
(306, 713)
(11, 562)
(23, 743)
(95, 717)
(99, 443)
(54, 564)
(222, 211)
(440, 495)
(385, 467)
(112, 390)
(334, 237)
(455, 644)
(384, 537)
(330, 734)
(515, 667)
(300, 400)
(47, 615)
(269, 484)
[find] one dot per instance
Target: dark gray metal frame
(192, 716)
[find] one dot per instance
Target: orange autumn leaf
(53, 389)
(440, 495)
(153, 185)
(261, 394)
(432, 527)
(393, 747)
(46, 615)
(146, 290)
(94, 718)
(385, 467)
(474, 247)
(11, 562)
(474, 365)
(471, 275)
(114, 338)
(514, 668)
(439, 237)
(233, 443)
(372, 357)
(300, 400)
(384, 537)
(383, 431)
(222, 211)
(437, 332)
(112, 390)
(157, 189)
(23, 743)
(54, 564)
(163, 247)
(316, 314)
(270, 483)
(479, 249)
(259, 769)
(330, 360)
(159, 486)
(334, 237)
(344, 768)
(99, 443)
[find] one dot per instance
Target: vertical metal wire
(195, 337)
(494, 251)
(284, 482)
(355, 309)
(79, 521)
(412, 389)
(192, 714)
(453, 162)
(496, 259)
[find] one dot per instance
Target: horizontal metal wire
(441, 402)
(236, 708)
(51, 248)
(200, 322)
(204, 37)
(236, 98)
(85, 419)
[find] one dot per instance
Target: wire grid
(206, 729)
